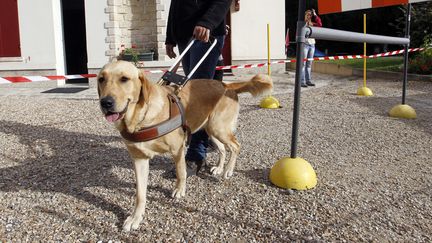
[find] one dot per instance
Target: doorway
(75, 41)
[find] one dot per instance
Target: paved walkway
(50, 89)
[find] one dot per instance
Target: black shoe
(304, 85)
(193, 167)
(310, 84)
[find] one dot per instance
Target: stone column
(138, 23)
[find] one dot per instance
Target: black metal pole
(300, 39)
(407, 35)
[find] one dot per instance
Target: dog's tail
(259, 84)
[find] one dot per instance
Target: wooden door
(9, 29)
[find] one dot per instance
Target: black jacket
(184, 15)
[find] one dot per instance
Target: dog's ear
(145, 88)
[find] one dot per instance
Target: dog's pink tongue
(112, 117)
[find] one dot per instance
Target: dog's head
(120, 84)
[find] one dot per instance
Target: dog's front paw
(179, 192)
(216, 170)
(132, 222)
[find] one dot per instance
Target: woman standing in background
(311, 19)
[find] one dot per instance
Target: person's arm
(316, 20)
(215, 14)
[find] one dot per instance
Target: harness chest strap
(176, 119)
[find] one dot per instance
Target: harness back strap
(176, 119)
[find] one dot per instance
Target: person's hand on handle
(201, 33)
(170, 51)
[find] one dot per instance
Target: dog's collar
(176, 119)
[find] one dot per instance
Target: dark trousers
(219, 73)
(197, 150)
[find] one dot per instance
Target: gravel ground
(66, 176)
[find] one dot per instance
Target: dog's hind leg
(220, 147)
(234, 147)
(221, 126)
(230, 142)
(141, 174)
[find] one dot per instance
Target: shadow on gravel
(253, 226)
(260, 176)
(421, 103)
(68, 162)
(166, 164)
(245, 108)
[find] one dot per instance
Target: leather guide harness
(176, 119)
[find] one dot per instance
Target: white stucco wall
(96, 33)
(40, 35)
(42, 44)
(249, 30)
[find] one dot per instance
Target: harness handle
(172, 77)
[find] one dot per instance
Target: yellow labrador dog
(132, 103)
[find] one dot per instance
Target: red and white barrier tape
(22, 79)
(48, 78)
(386, 54)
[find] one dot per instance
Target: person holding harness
(197, 19)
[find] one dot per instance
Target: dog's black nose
(107, 102)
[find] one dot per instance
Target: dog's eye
(101, 79)
(124, 79)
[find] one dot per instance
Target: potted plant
(135, 55)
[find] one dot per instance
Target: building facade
(49, 37)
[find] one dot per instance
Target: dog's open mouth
(115, 116)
